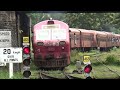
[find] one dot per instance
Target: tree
(90, 20)
(96, 21)
(37, 17)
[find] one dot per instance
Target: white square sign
(5, 38)
(11, 55)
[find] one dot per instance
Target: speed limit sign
(13, 55)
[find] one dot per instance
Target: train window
(87, 37)
(100, 38)
(43, 34)
(58, 34)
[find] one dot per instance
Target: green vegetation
(105, 66)
(4, 74)
(97, 21)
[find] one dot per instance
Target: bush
(114, 49)
(74, 56)
(74, 52)
(94, 52)
(111, 59)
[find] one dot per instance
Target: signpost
(26, 58)
(88, 67)
(11, 55)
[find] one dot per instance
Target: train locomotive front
(51, 44)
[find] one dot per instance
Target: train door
(77, 40)
(71, 39)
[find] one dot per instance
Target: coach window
(75, 39)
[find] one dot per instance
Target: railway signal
(87, 70)
(26, 58)
(26, 62)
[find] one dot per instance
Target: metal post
(10, 70)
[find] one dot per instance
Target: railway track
(43, 75)
(67, 76)
(106, 66)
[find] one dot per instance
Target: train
(51, 44)
(53, 40)
(85, 40)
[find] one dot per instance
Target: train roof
(101, 32)
(117, 34)
(92, 31)
(81, 30)
(86, 31)
(74, 30)
(45, 22)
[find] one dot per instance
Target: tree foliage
(97, 21)
(37, 17)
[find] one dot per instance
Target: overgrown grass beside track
(103, 65)
(4, 74)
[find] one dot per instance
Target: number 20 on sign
(86, 60)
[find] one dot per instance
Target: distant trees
(97, 21)
(37, 17)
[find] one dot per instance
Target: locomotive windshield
(51, 34)
(58, 34)
(43, 34)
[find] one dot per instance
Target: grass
(111, 59)
(99, 61)
(4, 74)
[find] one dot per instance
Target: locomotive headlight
(63, 48)
(40, 43)
(61, 43)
